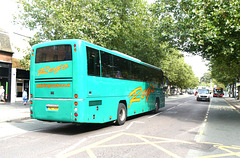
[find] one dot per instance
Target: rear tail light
(31, 95)
(76, 114)
(75, 103)
(76, 96)
(31, 112)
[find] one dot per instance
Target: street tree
(204, 27)
(206, 78)
(125, 26)
(130, 27)
(178, 72)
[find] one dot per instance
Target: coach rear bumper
(59, 110)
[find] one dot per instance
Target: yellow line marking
(214, 144)
(158, 147)
(231, 147)
(201, 130)
(159, 138)
(221, 155)
(131, 144)
(236, 146)
(90, 146)
(91, 154)
(156, 144)
(222, 148)
(232, 106)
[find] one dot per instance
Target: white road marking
(154, 115)
(171, 108)
(132, 124)
(106, 134)
(74, 146)
(195, 129)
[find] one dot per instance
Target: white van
(203, 94)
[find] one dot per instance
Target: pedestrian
(2, 94)
(24, 95)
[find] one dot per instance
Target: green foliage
(204, 26)
(25, 62)
(178, 72)
(206, 78)
(128, 26)
(208, 28)
(224, 70)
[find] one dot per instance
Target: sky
(9, 7)
(17, 33)
(198, 64)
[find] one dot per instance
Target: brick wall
(7, 57)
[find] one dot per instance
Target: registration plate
(52, 107)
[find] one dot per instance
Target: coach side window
(121, 68)
(93, 62)
(107, 64)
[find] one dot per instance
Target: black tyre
(156, 106)
(121, 114)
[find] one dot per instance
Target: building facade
(12, 78)
(5, 63)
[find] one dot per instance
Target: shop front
(20, 82)
(5, 79)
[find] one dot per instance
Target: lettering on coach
(47, 69)
(136, 92)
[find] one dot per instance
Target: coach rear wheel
(121, 114)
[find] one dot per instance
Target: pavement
(235, 103)
(17, 111)
(14, 111)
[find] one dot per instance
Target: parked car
(203, 94)
(190, 92)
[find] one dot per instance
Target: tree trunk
(233, 90)
(238, 92)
